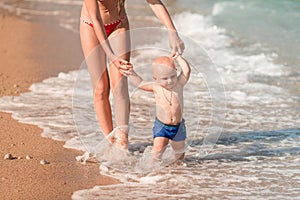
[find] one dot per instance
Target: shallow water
(257, 154)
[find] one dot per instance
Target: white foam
(151, 179)
(47, 105)
(202, 30)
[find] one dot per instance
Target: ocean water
(242, 104)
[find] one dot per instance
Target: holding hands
(127, 69)
(176, 43)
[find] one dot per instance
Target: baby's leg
(159, 146)
(179, 148)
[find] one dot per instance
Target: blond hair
(164, 60)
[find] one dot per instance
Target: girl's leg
(120, 43)
(96, 62)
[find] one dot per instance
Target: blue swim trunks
(173, 132)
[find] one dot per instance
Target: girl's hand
(126, 70)
(119, 62)
(123, 66)
(176, 43)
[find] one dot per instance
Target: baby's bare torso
(169, 106)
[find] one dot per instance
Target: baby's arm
(137, 81)
(184, 76)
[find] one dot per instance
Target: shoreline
(31, 52)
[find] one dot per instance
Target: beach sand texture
(29, 53)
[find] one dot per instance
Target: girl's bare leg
(96, 61)
(120, 43)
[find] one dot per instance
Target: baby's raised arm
(184, 76)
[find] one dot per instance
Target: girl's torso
(110, 10)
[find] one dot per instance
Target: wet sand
(29, 53)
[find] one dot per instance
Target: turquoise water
(274, 24)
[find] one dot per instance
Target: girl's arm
(162, 14)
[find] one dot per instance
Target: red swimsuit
(109, 28)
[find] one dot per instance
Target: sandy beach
(31, 52)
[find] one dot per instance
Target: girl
(101, 20)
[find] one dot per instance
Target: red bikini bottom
(109, 28)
